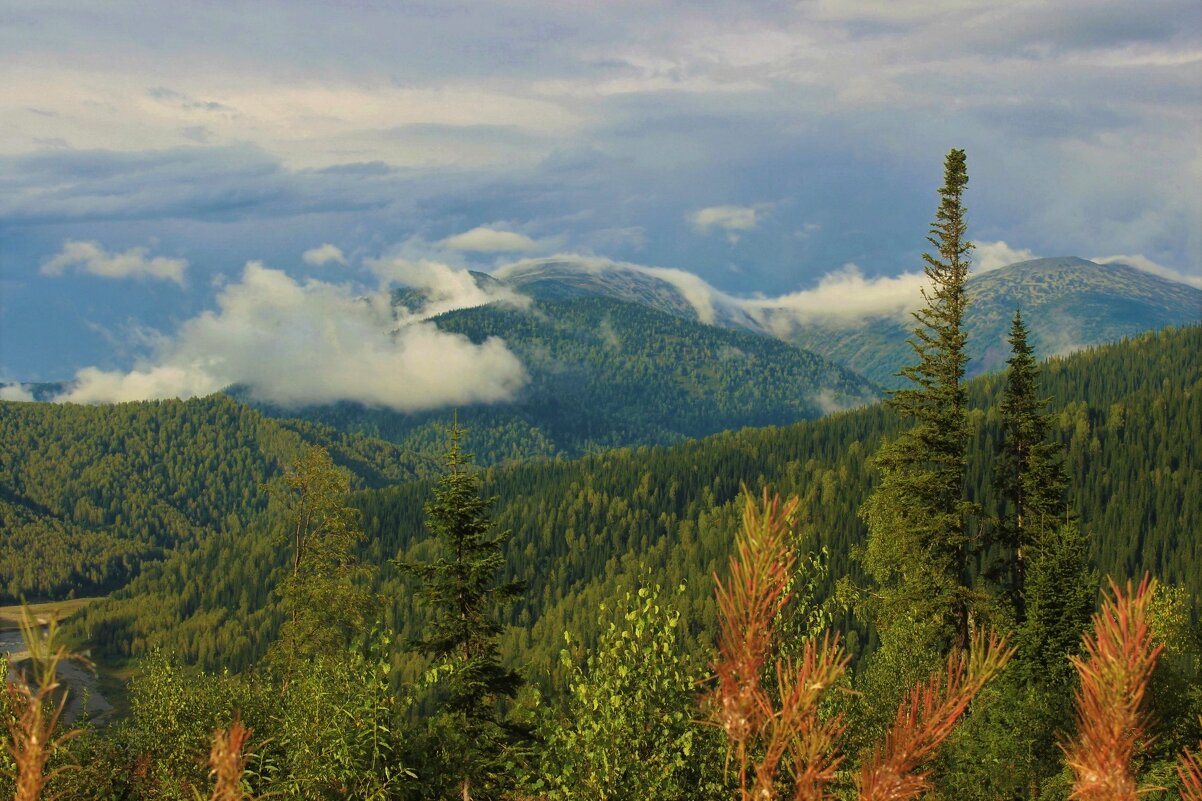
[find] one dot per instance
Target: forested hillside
(584, 531)
(606, 373)
(1070, 303)
(89, 493)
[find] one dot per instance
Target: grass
(10, 616)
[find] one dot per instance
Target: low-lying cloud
(441, 286)
(992, 255)
(92, 258)
(294, 343)
(1141, 262)
(15, 392)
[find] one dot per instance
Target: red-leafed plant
(766, 735)
(228, 761)
(1111, 720)
(926, 718)
(779, 738)
(1189, 772)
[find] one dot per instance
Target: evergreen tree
(1030, 480)
(918, 545)
(465, 599)
(1008, 748)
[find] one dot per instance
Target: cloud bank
(90, 257)
(15, 392)
(295, 343)
(1141, 262)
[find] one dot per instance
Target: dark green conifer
(465, 597)
(1030, 480)
(918, 543)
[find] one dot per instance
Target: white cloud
(992, 255)
(728, 218)
(90, 257)
(15, 392)
(324, 255)
(490, 240)
(445, 287)
(297, 343)
(1140, 262)
(841, 297)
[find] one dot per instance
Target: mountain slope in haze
(90, 493)
(585, 531)
(605, 373)
(1069, 303)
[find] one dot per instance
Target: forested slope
(88, 493)
(606, 373)
(1129, 415)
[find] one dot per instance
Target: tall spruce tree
(462, 590)
(919, 545)
(1030, 478)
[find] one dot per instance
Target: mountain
(1069, 303)
(89, 494)
(585, 531)
(607, 373)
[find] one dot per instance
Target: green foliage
(321, 593)
(1008, 748)
(629, 728)
(88, 494)
(461, 590)
(333, 734)
(1030, 479)
(918, 537)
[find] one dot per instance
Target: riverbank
(82, 682)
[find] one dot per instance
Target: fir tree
(462, 591)
(918, 546)
(1009, 745)
(1031, 480)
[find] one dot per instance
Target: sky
(198, 193)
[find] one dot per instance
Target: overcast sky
(162, 163)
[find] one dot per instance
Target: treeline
(607, 374)
(90, 493)
(586, 531)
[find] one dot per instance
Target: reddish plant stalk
(1111, 719)
(1189, 772)
(894, 771)
(228, 761)
(36, 710)
(790, 735)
